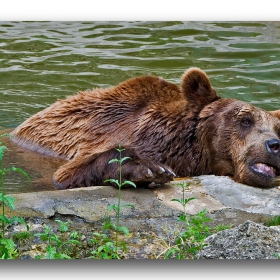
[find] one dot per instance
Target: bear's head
(240, 140)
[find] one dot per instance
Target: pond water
(43, 61)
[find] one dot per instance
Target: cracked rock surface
(247, 241)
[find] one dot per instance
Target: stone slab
(225, 200)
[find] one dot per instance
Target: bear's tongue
(263, 168)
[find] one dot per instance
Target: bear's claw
(150, 172)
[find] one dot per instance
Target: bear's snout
(273, 146)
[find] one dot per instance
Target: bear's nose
(273, 146)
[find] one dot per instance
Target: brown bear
(165, 130)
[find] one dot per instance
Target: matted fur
(166, 131)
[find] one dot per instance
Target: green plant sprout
(7, 247)
(274, 221)
(189, 241)
(109, 249)
(105, 247)
(55, 245)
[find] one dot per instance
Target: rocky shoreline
(153, 220)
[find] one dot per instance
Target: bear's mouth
(264, 169)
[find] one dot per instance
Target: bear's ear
(275, 114)
(197, 88)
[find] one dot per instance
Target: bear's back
(88, 117)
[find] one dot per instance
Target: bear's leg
(93, 170)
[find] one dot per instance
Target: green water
(43, 61)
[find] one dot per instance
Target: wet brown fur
(165, 129)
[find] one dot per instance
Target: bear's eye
(246, 122)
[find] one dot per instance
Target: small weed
(220, 228)
(8, 247)
(22, 235)
(274, 221)
(190, 240)
(107, 248)
(56, 247)
(277, 255)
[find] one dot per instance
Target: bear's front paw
(148, 172)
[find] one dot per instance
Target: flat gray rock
(89, 203)
(225, 200)
(242, 197)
